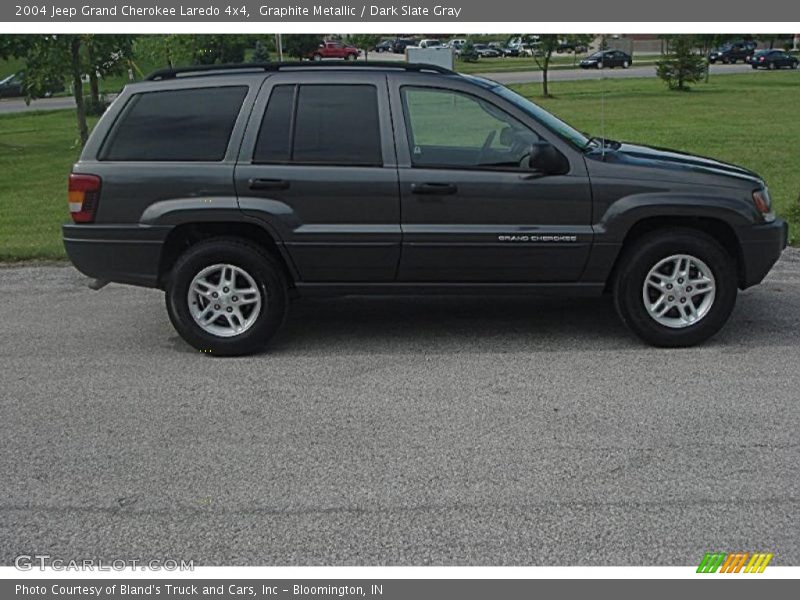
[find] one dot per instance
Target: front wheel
(227, 296)
(675, 288)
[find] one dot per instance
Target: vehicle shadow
(503, 324)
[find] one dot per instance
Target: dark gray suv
(235, 187)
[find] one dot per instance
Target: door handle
(268, 184)
(434, 189)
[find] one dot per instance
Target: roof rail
(201, 70)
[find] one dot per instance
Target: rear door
(471, 212)
(317, 165)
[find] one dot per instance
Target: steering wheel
(486, 145)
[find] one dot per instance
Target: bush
(468, 52)
(681, 66)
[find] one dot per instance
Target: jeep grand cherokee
(230, 187)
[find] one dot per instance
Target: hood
(681, 163)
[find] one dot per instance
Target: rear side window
(176, 125)
(321, 124)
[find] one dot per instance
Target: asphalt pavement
(395, 431)
(15, 105)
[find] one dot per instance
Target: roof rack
(201, 70)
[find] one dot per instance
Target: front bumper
(761, 247)
(120, 253)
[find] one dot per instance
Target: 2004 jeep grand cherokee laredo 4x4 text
(231, 187)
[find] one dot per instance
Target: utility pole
(279, 46)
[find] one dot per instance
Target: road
(16, 105)
(395, 431)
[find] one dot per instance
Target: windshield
(550, 121)
(597, 55)
(6, 80)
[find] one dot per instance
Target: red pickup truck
(335, 50)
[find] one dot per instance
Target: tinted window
(191, 125)
(333, 124)
(451, 129)
(337, 124)
(274, 137)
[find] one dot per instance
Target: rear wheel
(227, 296)
(675, 287)
(771, 66)
(625, 64)
(317, 57)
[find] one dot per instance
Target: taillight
(84, 194)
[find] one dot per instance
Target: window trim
(133, 100)
(293, 129)
(442, 167)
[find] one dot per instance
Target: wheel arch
(185, 235)
(719, 229)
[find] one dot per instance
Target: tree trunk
(545, 70)
(77, 85)
(94, 86)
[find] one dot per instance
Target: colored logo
(735, 562)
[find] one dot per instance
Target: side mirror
(546, 159)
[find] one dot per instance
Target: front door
(473, 210)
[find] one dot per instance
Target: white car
(430, 43)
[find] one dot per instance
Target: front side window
(176, 125)
(451, 129)
(321, 124)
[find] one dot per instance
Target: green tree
(681, 65)
(467, 53)
(49, 59)
(300, 45)
(365, 41)
(261, 53)
(105, 55)
(543, 52)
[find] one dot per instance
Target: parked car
(401, 44)
(773, 59)
(511, 49)
(457, 43)
(334, 49)
(430, 43)
(733, 52)
(13, 86)
(569, 46)
(384, 46)
(607, 59)
(273, 181)
(486, 51)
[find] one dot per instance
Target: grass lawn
(36, 153)
(721, 119)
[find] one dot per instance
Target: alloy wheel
(679, 291)
(224, 300)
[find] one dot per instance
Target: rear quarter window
(176, 125)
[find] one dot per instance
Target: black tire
(259, 264)
(772, 66)
(634, 266)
